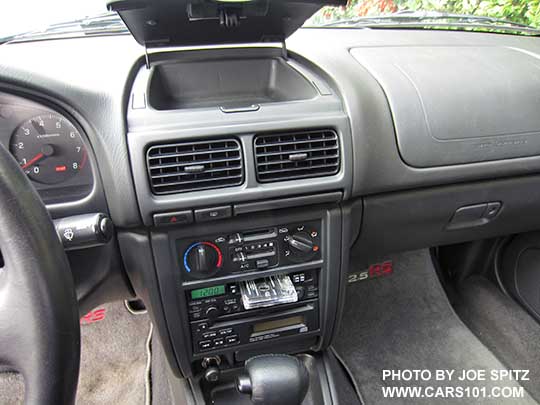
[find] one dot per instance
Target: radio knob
(301, 242)
(212, 313)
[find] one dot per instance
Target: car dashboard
(224, 166)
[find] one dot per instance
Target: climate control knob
(301, 246)
(203, 259)
(301, 242)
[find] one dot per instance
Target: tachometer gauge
(49, 149)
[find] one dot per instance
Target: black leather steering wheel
(39, 320)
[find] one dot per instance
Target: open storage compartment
(229, 84)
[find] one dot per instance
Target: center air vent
(296, 155)
(191, 166)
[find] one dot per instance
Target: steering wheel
(39, 320)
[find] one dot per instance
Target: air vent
(191, 166)
(296, 155)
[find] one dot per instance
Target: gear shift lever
(274, 379)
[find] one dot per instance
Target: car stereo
(247, 306)
(219, 318)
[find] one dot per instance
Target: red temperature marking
(218, 251)
(62, 168)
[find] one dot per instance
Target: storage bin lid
(158, 23)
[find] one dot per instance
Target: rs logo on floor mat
(374, 271)
(93, 316)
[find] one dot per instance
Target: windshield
(514, 16)
(31, 19)
(19, 16)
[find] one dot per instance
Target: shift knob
(274, 379)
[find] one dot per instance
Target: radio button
(219, 342)
(195, 315)
(224, 332)
(202, 327)
(231, 340)
(209, 335)
(205, 344)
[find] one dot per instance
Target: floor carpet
(114, 360)
(404, 322)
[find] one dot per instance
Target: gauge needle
(33, 160)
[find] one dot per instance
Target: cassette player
(210, 303)
(231, 314)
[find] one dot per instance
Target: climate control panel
(249, 250)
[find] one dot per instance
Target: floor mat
(114, 360)
(404, 322)
(503, 326)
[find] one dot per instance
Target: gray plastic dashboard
(92, 79)
(277, 110)
(459, 104)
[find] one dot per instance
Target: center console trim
(148, 126)
(175, 307)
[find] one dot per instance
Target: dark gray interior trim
(301, 201)
(378, 166)
(396, 222)
(164, 246)
(149, 126)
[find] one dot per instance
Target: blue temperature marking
(188, 269)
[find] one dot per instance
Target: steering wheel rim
(39, 320)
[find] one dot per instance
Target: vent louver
(191, 166)
(296, 155)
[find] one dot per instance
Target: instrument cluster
(50, 147)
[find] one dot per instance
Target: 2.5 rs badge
(374, 271)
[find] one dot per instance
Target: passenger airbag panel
(454, 105)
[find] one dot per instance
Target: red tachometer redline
(49, 148)
(84, 158)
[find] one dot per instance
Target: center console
(263, 283)
(240, 170)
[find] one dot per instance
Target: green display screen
(208, 292)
